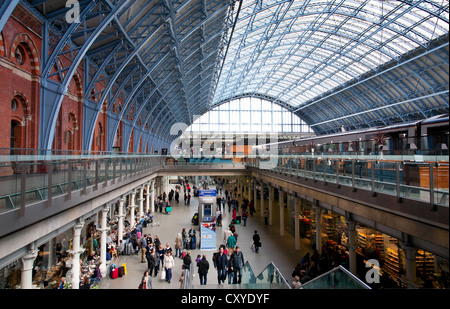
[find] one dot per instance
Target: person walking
(143, 246)
(296, 283)
(256, 241)
(151, 261)
(266, 216)
(244, 216)
(231, 242)
(230, 271)
(220, 264)
(184, 236)
(146, 281)
(169, 263)
(187, 260)
(178, 245)
(227, 234)
(203, 267)
(237, 263)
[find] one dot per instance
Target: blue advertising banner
(207, 239)
(205, 193)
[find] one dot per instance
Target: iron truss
(154, 63)
(341, 63)
(148, 63)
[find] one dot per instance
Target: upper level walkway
(388, 195)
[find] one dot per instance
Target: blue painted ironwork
(154, 63)
(6, 10)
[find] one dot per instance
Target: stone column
(112, 210)
(318, 229)
(27, 267)
(255, 194)
(120, 215)
(281, 204)
(104, 228)
(262, 200)
(351, 245)
(297, 202)
(76, 251)
(271, 194)
(132, 206)
(147, 198)
(51, 253)
(152, 204)
(141, 202)
(410, 264)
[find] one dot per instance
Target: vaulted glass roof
(296, 51)
(153, 63)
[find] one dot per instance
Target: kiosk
(207, 218)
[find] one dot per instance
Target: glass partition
(269, 278)
(337, 278)
(425, 180)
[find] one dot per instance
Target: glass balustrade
(40, 175)
(337, 278)
(424, 179)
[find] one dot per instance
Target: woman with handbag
(256, 242)
(169, 263)
(146, 281)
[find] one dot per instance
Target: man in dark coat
(203, 267)
(220, 264)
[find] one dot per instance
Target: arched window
(251, 115)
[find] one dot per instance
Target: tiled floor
(276, 248)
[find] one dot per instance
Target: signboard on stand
(207, 238)
(207, 215)
(207, 193)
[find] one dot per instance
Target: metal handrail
(340, 267)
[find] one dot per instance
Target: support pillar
(152, 204)
(351, 245)
(255, 194)
(147, 198)
(120, 215)
(27, 267)
(51, 253)
(104, 228)
(410, 265)
(76, 251)
(262, 200)
(271, 194)
(141, 202)
(297, 202)
(132, 206)
(281, 204)
(318, 229)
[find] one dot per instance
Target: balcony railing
(424, 180)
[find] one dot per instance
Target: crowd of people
(159, 256)
(313, 265)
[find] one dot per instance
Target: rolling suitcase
(114, 271)
(124, 268)
(128, 248)
(121, 271)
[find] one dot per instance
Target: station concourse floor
(275, 248)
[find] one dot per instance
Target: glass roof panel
(297, 50)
